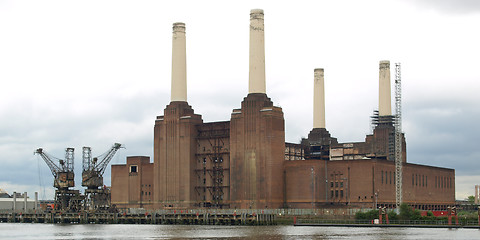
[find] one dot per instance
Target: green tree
(407, 213)
(392, 215)
(470, 199)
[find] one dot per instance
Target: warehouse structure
(246, 163)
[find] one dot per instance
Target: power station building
(246, 163)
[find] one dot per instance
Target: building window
(423, 180)
(341, 193)
(331, 193)
(341, 184)
(331, 184)
(413, 180)
(133, 168)
(426, 181)
(336, 184)
(382, 176)
(336, 193)
(390, 177)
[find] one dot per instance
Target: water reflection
(77, 231)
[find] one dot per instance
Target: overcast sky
(91, 73)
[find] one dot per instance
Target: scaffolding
(398, 136)
(212, 164)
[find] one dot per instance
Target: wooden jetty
(144, 218)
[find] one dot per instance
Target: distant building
(19, 203)
(4, 194)
(246, 163)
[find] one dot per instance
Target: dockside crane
(97, 196)
(66, 199)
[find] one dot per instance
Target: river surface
(120, 231)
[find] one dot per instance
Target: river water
(120, 231)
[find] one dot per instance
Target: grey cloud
(442, 133)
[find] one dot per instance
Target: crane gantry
(66, 199)
(96, 195)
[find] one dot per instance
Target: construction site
(245, 163)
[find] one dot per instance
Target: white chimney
(179, 64)
(384, 97)
(318, 99)
(257, 53)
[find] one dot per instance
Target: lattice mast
(398, 136)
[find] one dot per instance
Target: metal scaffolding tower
(212, 162)
(398, 136)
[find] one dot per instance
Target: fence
(391, 222)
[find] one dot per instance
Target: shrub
(370, 215)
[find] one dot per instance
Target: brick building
(245, 162)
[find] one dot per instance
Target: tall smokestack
(257, 53)
(384, 97)
(318, 99)
(179, 64)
